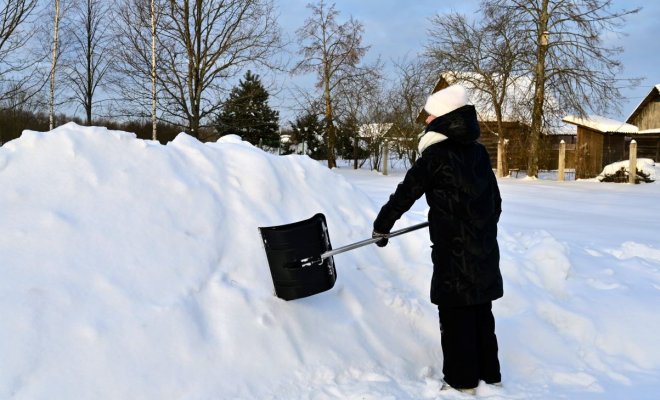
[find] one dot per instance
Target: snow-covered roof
(649, 131)
(601, 124)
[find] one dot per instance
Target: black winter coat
(465, 206)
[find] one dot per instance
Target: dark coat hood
(460, 125)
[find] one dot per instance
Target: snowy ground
(135, 270)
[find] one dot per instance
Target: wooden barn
(646, 117)
(602, 141)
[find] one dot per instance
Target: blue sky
(396, 28)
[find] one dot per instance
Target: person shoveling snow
(454, 172)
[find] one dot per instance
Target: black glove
(383, 239)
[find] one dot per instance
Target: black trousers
(469, 345)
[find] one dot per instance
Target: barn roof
(655, 91)
(601, 124)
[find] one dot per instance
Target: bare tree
(487, 56)
(200, 45)
(90, 53)
(155, 11)
(205, 43)
(360, 102)
(574, 69)
(134, 78)
(407, 96)
(13, 15)
(333, 52)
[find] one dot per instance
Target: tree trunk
(154, 124)
(89, 94)
(51, 113)
(194, 124)
(502, 165)
(355, 151)
(539, 93)
(193, 42)
(329, 125)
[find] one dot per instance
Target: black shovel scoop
(300, 256)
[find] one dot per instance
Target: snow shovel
(300, 256)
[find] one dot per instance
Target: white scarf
(430, 138)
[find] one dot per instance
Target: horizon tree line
(174, 61)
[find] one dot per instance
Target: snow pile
(135, 270)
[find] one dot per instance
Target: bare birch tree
(53, 67)
(332, 51)
(571, 62)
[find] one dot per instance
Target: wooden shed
(600, 141)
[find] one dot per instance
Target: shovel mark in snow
(545, 260)
(632, 249)
(600, 285)
(579, 379)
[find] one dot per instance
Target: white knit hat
(446, 100)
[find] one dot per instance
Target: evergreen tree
(347, 130)
(308, 132)
(246, 113)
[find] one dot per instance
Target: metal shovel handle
(365, 242)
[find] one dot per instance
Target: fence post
(385, 156)
(355, 152)
(562, 161)
(632, 168)
(500, 158)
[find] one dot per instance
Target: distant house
(602, 141)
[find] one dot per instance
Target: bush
(622, 176)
